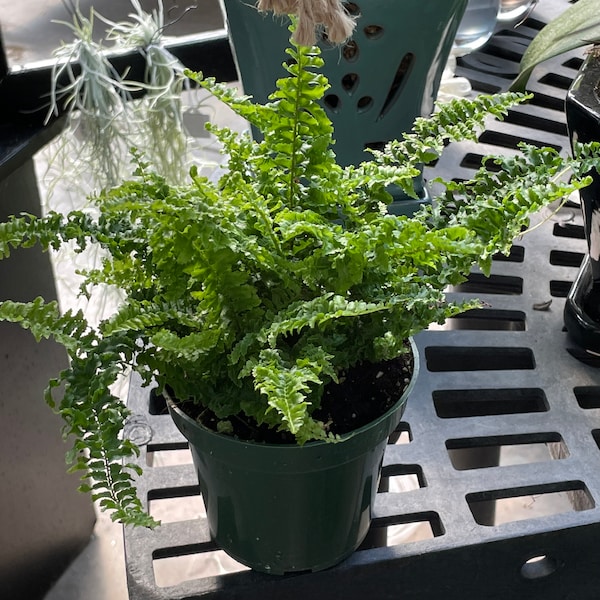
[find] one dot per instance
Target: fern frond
(507, 195)
(584, 158)
(287, 385)
(45, 321)
(96, 418)
(91, 413)
(457, 120)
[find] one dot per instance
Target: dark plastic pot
(286, 508)
(584, 331)
(582, 308)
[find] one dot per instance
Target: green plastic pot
(286, 508)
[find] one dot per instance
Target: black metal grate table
(501, 376)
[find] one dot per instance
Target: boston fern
(249, 295)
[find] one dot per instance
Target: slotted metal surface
(500, 376)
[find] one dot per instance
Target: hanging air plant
(103, 121)
(159, 114)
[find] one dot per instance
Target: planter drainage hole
(352, 8)
(587, 396)
(332, 102)
(460, 404)
(375, 145)
(373, 32)
(516, 254)
(403, 530)
(400, 78)
(157, 404)
(480, 453)
(397, 479)
(472, 160)
(477, 283)
(569, 230)
(364, 104)
(538, 567)
(506, 140)
(173, 505)
(560, 289)
(401, 435)
(350, 51)
(540, 123)
(486, 319)
(558, 81)
(563, 258)
(168, 455)
(350, 82)
(478, 358)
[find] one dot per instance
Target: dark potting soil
(363, 394)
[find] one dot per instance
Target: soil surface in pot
(363, 394)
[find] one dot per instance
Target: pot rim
(173, 407)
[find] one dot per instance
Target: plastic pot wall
(288, 508)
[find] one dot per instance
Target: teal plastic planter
(286, 508)
(385, 76)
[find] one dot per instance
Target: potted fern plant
(260, 304)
